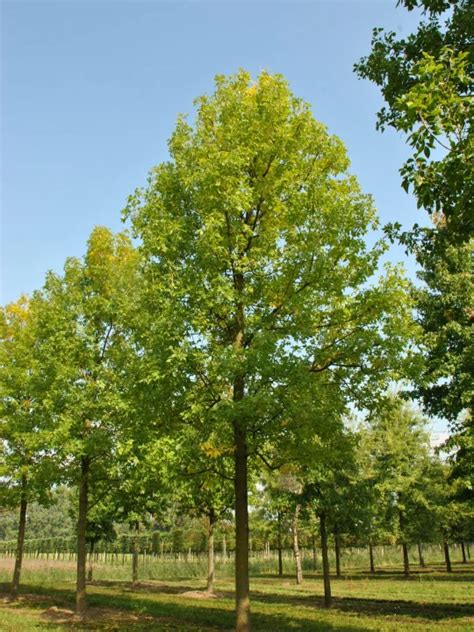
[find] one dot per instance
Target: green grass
(429, 600)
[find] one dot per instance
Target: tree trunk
(324, 552)
(135, 553)
(296, 548)
(210, 552)
(337, 551)
(21, 539)
(91, 555)
(280, 558)
(241, 534)
(406, 560)
(371, 557)
(420, 556)
(315, 559)
(81, 603)
(224, 548)
(242, 588)
(463, 551)
(446, 556)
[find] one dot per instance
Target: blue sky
(91, 90)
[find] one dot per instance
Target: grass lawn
(429, 600)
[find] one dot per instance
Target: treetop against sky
(93, 90)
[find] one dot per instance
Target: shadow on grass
(186, 614)
(174, 616)
(374, 607)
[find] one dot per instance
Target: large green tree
(254, 233)
(426, 80)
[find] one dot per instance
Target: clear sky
(91, 90)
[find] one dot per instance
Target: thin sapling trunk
(371, 558)
(337, 551)
(420, 556)
(324, 553)
(81, 603)
(296, 547)
(280, 557)
(210, 552)
(447, 557)
(21, 539)
(135, 554)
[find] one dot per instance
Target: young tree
(206, 489)
(253, 235)
(400, 454)
(28, 465)
(86, 328)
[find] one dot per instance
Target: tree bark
(324, 552)
(242, 587)
(91, 554)
(21, 539)
(337, 551)
(224, 548)
(135, 554)
(210, 552)
(371, 558)
(447, 558)
(81, 602)
(296, 548)
(280, 557)
(420, 556)
(463, 551)
(406, 560)
(315, 559)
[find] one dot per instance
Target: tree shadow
(126, 612)
(130, 609)
(374, 607)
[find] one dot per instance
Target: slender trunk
(135, 552)
(315, 559)
(91, 557)
(406, 560)
(280, 558)
(447, 559)
(210, 552)
(371, 557)
(224, 548)
(242, 588)
(324, 552)
(468, 551)
(337, 551)
(420, 556)
(463, 550)
(296, 548)
(81, 603)
(21, 539)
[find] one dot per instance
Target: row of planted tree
(239, 356)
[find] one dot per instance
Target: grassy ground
(430, 599)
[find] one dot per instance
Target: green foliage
(253, 237)
(426, 82)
